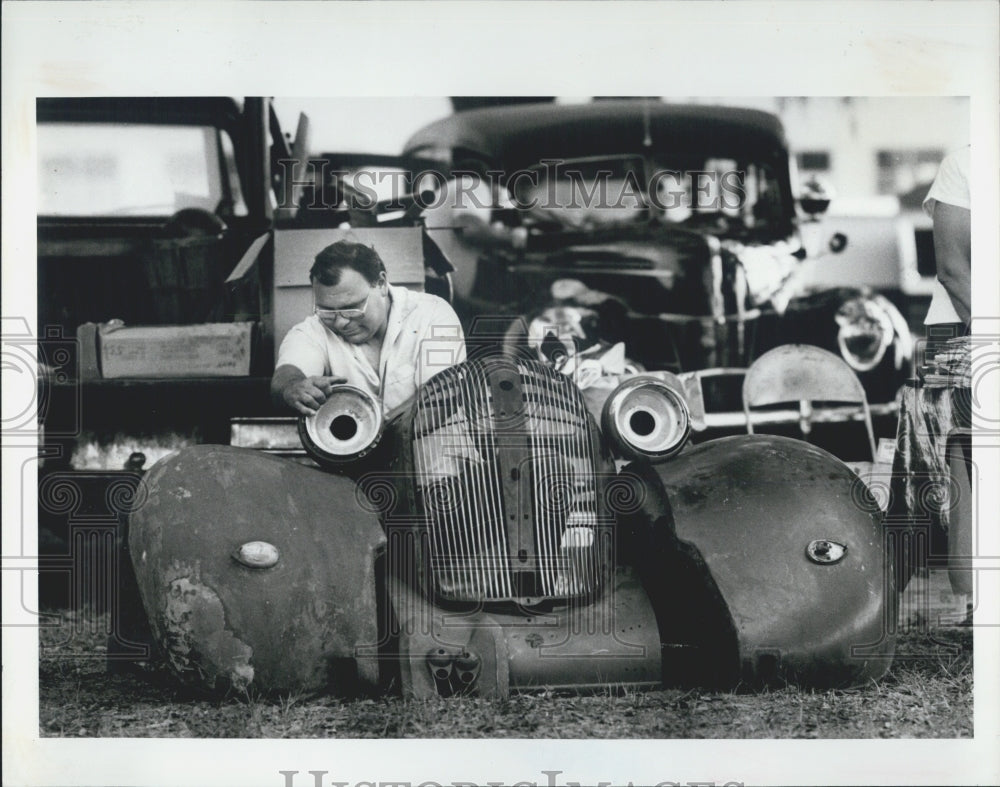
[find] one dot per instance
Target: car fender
(759, 513)
(256, 572)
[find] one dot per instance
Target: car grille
(508, 473)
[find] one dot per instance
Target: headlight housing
(865, 331)
(346, 427)
(558, 332)
(646, 418)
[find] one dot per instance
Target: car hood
(657, 270)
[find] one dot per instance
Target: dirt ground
(926, 694)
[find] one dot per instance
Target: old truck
(169, 264)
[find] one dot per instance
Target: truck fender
(257, 573)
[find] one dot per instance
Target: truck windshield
(100, 169)
(591, 193)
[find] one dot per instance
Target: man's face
(353, 292)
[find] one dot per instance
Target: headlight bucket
(865, 331)
(646, 418)
(559, 332)
(347, 426)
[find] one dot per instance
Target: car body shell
(704, 569)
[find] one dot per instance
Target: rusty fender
(256, 572)
(783, 551)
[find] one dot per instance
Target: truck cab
(172, 259)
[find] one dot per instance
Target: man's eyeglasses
(330, 315)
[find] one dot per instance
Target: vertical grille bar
(478, 559)
(595, 488)
(534, 437)
(548, 522)
(562, 562)
(483, 556)
(463, 560)
(499, 539)
(589, 509)
(420, 450)
(539, 448)
(573, 565)
(451, 518)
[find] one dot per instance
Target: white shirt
(423, 337)
(951, 186)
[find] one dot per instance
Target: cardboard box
(207, 350)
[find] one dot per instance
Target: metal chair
(805, 374)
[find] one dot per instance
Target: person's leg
(960, 548)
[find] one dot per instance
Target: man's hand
(289, 386)
(306, 395)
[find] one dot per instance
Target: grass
(926, 694)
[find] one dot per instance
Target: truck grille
(507, 461)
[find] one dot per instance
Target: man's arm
(290, 387)
(953, 254)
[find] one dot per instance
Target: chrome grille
(506, 455)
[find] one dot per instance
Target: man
(950, 317)
(365, 332)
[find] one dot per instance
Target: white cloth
(951, 186)
(422, 338)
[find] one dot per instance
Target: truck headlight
(346, 427)
(645, 418)
(554, 334)
(865, 331)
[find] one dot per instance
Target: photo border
(310, 48)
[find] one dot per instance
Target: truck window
(100, 169)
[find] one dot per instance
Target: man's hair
(330, 263)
